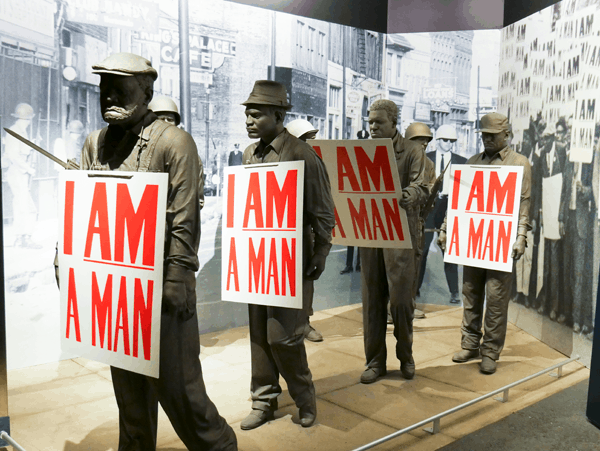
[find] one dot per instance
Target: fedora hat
(267, 92)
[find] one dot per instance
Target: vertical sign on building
(366, 187)
(483, 215)
(262, 234)
(110, 250)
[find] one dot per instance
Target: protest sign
(110, 250)
(585, 115)
(366, 187)
(262, 234)
(483, 215)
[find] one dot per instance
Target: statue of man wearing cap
(276, 333)
(135, 140)
(480, 285)
(18, 175)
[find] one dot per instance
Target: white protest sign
(483, 215)
(110, 250)
(366, 187)
(262, 234)
(585, 115)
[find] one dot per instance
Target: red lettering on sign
(230, 201)
(257, 266)
(288, 266)
(346, 170)
(503, 240)
(98, 213)
(142, 315)
(282, 197)
(360, 220)
(102, 310)
(377, 222)
(318, 151)
(502, 192)
(475, 239)
(72, 310)
(254, 202)
(392, 217)
(122, 322)
(68, 224)
(145, 218)
(456, 190)
(338, 224)
(476, 191)
(232, 268)
(454, 239)
(273, 272)
(488, 247)
(377, 169)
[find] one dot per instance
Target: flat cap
(267, 92)
(493, 123)
(126, 65)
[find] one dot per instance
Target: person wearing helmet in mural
(420, 134)
(166, 110)
(303, 130)
(18, 176)
(69, 148)
(136, 140)
(485, 286)
(389, 273)
(445, 139)
(277, 333)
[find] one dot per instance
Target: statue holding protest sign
(136, 141)
(389, 273)
(488, 211)
(277, 333)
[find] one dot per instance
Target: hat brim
(122, 73)
(253, 102)
(489, 130)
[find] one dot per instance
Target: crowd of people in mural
(554, 275)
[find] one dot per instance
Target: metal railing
(8, 439)
(435, 420)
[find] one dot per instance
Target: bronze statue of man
(277, 333)
(135, 140)
(485, 286)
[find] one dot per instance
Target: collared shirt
(508, 157)
(176, 154)
(318, 202)
(439, 167)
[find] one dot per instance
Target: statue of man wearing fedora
(494, 288)
(276, 333)
(136, 140)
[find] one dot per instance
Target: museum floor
(70, 406)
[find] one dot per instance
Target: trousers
(450, 269)
(387, 274)
(493, 288)
(277, 347)
(180, 390)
